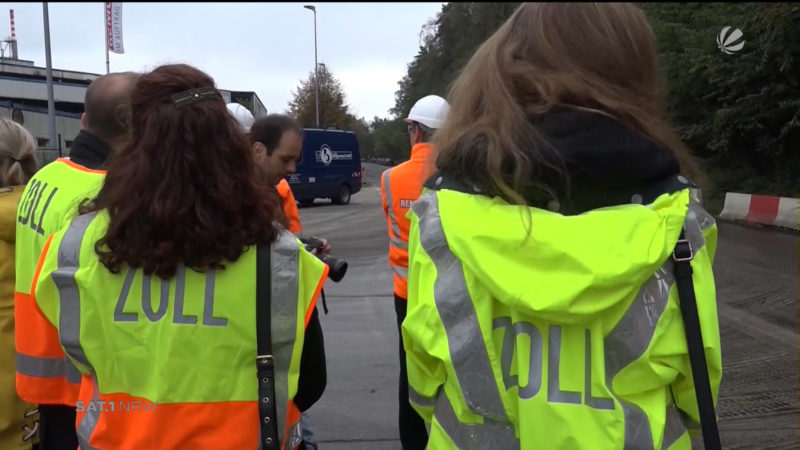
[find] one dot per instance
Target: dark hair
(270, 129)
(107, 105)
(184, 188)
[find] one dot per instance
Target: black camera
(337, 267)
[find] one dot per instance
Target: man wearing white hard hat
(400, 187)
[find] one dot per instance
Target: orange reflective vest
(400, 187)
(49, 202)
(289, 207)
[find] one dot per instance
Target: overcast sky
(263, 47)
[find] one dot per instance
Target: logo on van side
(326, 156)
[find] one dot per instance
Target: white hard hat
(430, 111)
(242, 115)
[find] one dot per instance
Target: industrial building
(23, 98)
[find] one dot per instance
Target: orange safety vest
(289, 206)
(50, 201)
(400, 187)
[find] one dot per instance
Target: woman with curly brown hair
(180, 300)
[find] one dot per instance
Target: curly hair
(184, 187)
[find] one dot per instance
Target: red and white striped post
(762, 209)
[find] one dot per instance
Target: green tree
(446, 44)
(739, 113)
(363, 133)
(390, 139)
(334, 112)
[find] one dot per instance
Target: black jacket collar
(89, 151)
(607, 164)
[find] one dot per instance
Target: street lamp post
(316, 66)
(51, 108)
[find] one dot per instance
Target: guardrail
(781, 212)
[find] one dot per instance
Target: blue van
(329, 167)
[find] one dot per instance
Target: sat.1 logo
(727, 43)
(325, 154)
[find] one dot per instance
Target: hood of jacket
(565, 267)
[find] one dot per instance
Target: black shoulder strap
(682, 256)
(265, 365)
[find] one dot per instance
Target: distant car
(384, 162)
(329, 167)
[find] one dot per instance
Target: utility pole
(106, 24)
(51, 104)
(316, 66)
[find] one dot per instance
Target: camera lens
(337, 268)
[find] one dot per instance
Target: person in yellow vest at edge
(153, 287)
(400, 187)
(50, 200)
(542, 307)
(19, 420)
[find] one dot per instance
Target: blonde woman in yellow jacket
(19, 427)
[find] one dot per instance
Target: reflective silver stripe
(64, 279)
(467, 347)
(285, 271)
(674, 427)
(401, 272)
(698, 214)
(591, 400)
(629, 340)
(89, 420)
(488, 435)
(398, 243)
(420, 399)
(388, 188)
(73, 374)
(70, 313)
(691, 425)
(632, 335)
(35, 366)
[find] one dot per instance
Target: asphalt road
(757, 287)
